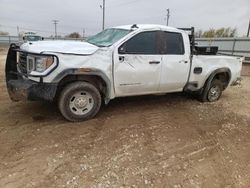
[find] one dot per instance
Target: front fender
(86, 72)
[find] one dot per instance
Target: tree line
(211, 33)
(215, 33)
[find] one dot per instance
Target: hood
(68, 47)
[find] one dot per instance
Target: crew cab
(118, 62)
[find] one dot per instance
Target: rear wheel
(212, 92)
(79, 101)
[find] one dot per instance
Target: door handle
(183, 61)
(154, 62)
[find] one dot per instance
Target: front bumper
(29, 90)
(20, 88)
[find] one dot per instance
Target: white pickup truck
(118, 62)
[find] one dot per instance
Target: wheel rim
(81, 103)
(214, 93)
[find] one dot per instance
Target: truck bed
(206, 64)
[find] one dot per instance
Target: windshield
(32, 38)
(108, 37)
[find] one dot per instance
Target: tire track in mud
(16, 163)
(232, 137)
(154, 120)
(220, 151)
(208, 144)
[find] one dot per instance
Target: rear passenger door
(175, 62)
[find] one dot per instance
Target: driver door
(137, 65)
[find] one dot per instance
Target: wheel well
(97, 81)
(224, 77)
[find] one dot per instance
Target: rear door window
(172, 43)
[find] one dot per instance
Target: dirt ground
(151, 141)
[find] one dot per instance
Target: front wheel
(79, 101)
(212, 92)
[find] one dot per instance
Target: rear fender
(212, 76)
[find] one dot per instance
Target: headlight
(39, 63)
(43, 63)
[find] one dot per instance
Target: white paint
(134, 75)
(175, 69)
(74, 47)
(211, 63)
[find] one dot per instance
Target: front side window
(108, 37)
(172, 43)
(142, 43)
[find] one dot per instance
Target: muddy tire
(79, 101)
(212, 92)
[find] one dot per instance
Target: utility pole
(83, 33)
(248, 31)
(55, 22)
(168, 15)
(103, 6)
(17, 29)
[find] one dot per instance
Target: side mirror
(23, 38)
(122, 49)
(42, 38)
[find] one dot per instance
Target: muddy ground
(151, 141)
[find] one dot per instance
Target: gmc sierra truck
(121, 61)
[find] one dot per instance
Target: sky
(77, 15)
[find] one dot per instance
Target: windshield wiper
(101, 46)
(96, 44)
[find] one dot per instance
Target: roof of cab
(149, 26)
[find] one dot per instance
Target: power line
(36, 30)
(44, 31)
(124, 3)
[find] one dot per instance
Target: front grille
(22, 63)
